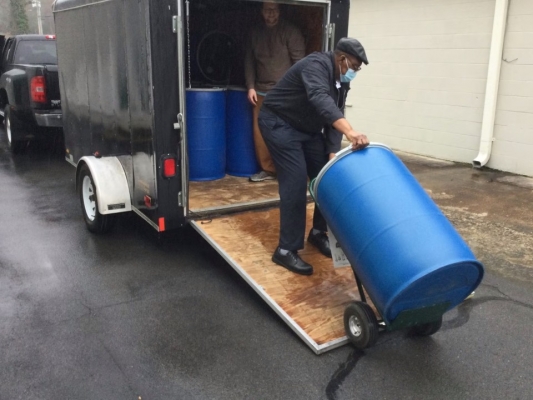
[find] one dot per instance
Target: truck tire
(12, 127)
(95, 222)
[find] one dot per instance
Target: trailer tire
(428, 329)
(12, 126)
(361, 325)
(95, 222)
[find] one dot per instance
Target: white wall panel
(516, 88)
(512, 149)
(423, 91)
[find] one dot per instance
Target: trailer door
(181, 126)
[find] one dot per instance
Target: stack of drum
(220, 133)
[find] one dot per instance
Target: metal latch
(174, 23)
(180, 199)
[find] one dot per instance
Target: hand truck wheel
(361, 325)
(428, 329)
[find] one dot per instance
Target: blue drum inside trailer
(409, 257)
(240, 156)
(206, 133)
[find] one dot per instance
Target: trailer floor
(313, 306)
(230, 191)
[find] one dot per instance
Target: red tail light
(147, 201)
(38, 89)
(169, 167)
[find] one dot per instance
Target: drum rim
(338, 156)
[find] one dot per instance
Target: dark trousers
(297, 156)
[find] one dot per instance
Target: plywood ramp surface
(312, 305)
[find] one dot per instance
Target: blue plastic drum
(240, 156)
(206, 133)
(404, 250)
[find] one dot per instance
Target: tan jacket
(270, 53)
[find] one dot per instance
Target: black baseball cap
(353, 47)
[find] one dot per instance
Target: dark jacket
(307, 98)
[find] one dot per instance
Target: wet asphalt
(138, 315)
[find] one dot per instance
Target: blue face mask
(349, 75)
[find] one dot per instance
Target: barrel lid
(205, 89)
(338, 156)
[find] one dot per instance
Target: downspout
(493, 82)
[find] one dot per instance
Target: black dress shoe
(321, 242)
(292, 262)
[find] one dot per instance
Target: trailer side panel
(166, 108)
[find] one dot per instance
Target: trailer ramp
(313, 306)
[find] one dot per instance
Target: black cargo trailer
(126, 68)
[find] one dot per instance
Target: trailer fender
(111, 184)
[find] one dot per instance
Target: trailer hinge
(330, 30)
(178, 125)
(180, 199)
(174, 23)
(331, 36)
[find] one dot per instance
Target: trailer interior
(215, 38)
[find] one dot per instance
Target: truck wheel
(428, 329)
(11, 125)
(96, 222)
(361, 325)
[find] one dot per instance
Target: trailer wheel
(428, 329)
(361, 325)
(11, 126)
(96, 222)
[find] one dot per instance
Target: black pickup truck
(29, 89)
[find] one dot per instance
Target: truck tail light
(38, 89)
(169, 167)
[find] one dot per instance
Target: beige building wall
(423, 91)
(513, 132)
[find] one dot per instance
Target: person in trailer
(302, 122)
(273, 48)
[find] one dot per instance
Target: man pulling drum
(302, 122)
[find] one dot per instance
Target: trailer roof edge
(65, 5)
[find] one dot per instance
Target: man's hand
(252, 97)
(331, 156)
(358, 140)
